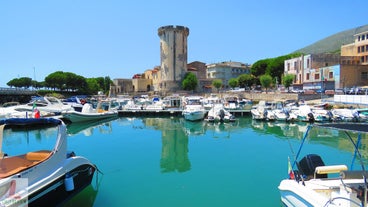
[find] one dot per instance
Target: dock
(170, 113)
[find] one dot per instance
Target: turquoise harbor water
(169, 162)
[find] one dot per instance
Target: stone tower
(173, 50)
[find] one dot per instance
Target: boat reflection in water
(194, 128)
(87, 128)
(292, 131)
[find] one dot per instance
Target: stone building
(173, 54)
(121, 86)
(200, 70)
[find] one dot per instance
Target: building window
(307, 76)
(308, 63)
(358, 49)
(288, 66)
(316, 76)
(330, 75)
(363, 37)
(362, 59)
(364, 75)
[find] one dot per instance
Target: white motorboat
(46, 106)
(173, 102)
(344, 114)
(235, 103)
(262, 111)
(210, 101)
(194, 109)
(303, 113)
(322, 115)
(317, 184)
(219, 114)
(45, 177)
(88, 113)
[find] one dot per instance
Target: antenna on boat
(300, 148)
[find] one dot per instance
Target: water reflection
(196, 128)
(317, 135)
(175, 135)
(87, 128)
(85, 198)
(280, 129)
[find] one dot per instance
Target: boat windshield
(19, 141)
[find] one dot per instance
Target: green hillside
(332, 44)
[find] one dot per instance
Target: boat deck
(12, 165)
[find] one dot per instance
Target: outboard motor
(310, 117)
(222, 115)
(308, 165)
(356, 116)
(330, 115)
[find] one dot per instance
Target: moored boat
(312, 183)
(88, 113)
(46, 106)
(219, 114)
(43, 177)
(194, 109)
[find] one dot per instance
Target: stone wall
(270, 96)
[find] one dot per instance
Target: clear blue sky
(119, 38)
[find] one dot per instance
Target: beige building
(308, 71)
(354, 62)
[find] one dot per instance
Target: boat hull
(194, 115)
(85, 117)
(55, 193)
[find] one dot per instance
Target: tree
(287, 80)
(92, 86)
(217, 83)
(259, 67)
(245, 80)
(233, 82)
(190, 82)
(56, 80)
(24, 82)
(266, 81)
(272, 66)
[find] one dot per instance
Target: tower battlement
(175, 28)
